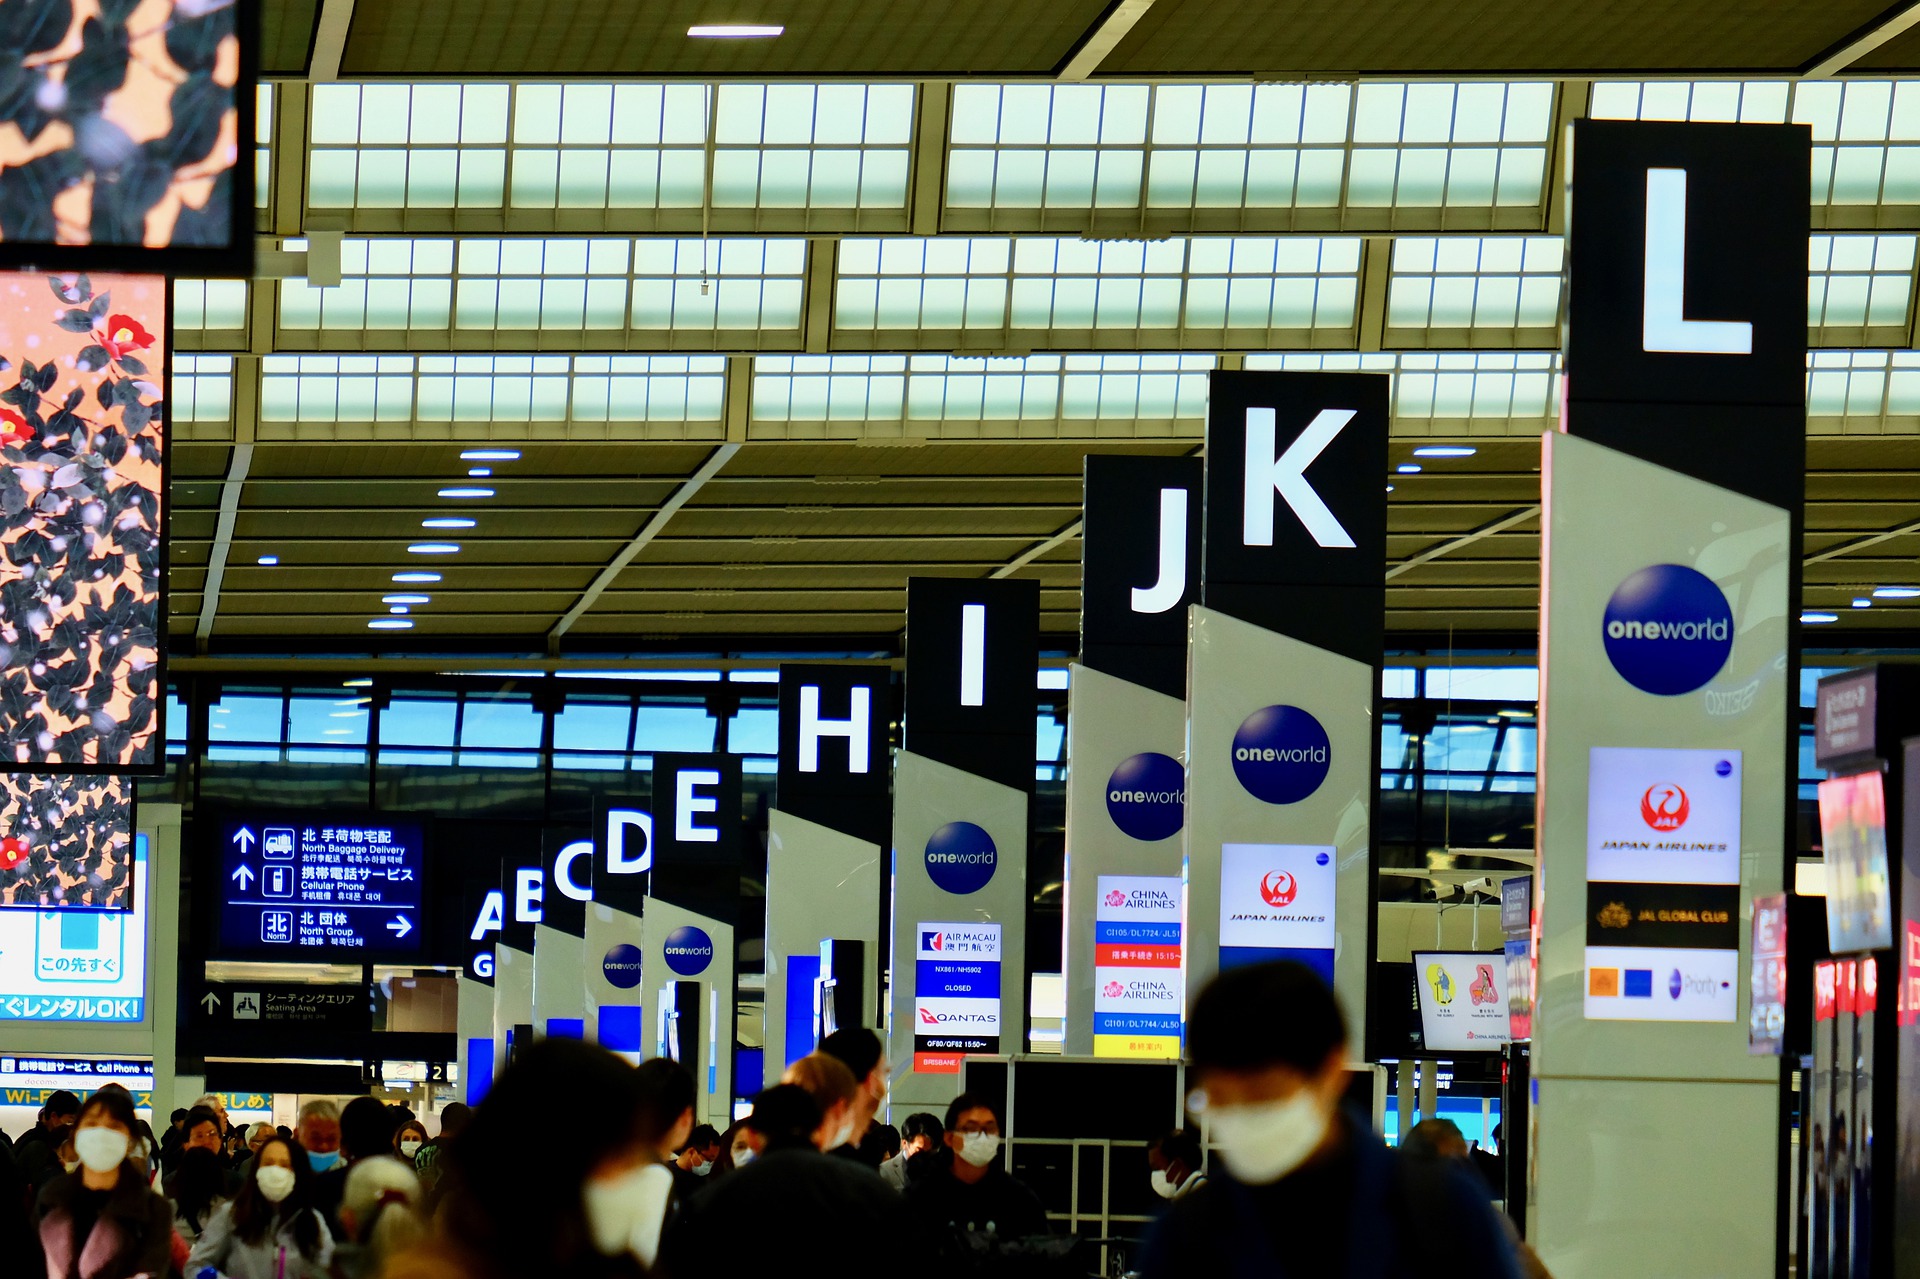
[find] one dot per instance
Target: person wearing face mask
(697, 1157)
(1175, 1161)
(366, 1130)
(408, 1140)
(318, 1132)
(921, 1134)
(102, 1221)
(518, 1204)
(38, 1152)
(862, 1053)
(770, 1216)
(834, 1090)
(737, 1149)
(1306, 1191)
(966, 1192)
(197, 1188)
(271, 1229)
(669, 1091)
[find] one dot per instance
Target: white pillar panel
(679, 945)
(512, 998)
(821, 884)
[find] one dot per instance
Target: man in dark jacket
(763, 1218)
(38, 1152)
(965, 1190)
(1308, 1192)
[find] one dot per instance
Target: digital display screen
(77, 965)
(299, 887)
(66, 843)
(956, 994)
(1853, 843)
(127, 125)
(82, 485)
(1463, 1001)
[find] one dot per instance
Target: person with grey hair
(318, 1132)
(379, 1215)
(256, 1137)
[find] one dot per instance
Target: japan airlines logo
(1116, 898)
(1279, 888)
(1114, 990)
(1664, 806)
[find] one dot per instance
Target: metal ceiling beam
(239, 462)
(330, 40)
(1104, 38)
(1500, 525)
(1861, 544)
(1038, 549)
(1857, 46)
(648, 531)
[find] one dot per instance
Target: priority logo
(1278, 888)
(1668, 629)
(1664, 806)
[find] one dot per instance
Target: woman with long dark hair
(102, 1220)
(525, 1197)
(199, 1187)
(271, 1230)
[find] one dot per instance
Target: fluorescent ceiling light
(1818, 619)
(1445, 450)
(466, 492)
(1863, 603)
(733, 31)
(447, 521)
(362, 682)
(490, 455)
(405, 599)
(268, 560)
(479, 472)
(434, 548)
(1408, 468)
(1896, 592)
(416, 577)
(390, 624)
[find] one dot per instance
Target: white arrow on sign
(1286, 475)
(210, 1001)
(399, 926)
(245, 839)
(243, 877)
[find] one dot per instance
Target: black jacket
(999, 1204)
(791, 1202)
(132, 1235)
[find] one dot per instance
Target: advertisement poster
(1663, 884)
(1463, 1001)
(1853, 841)
(1767, 1024)
(1276, 902)
(956, 994)
(1519, 960)
(1137, 988)
(77, 965)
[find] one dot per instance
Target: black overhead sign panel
(1687, 298)
(835, 753)
(697, 834)
(973, 649)
(1296, 506)
(1140, 567)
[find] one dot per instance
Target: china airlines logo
(1664, 806)
(1279, 888)
(1116, 898)
(1114, 990)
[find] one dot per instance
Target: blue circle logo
(1281, 754)
(1147, 796)
(622, 965)
(1723, 769)
(961, 858)
(689, 951)
(1668, 629)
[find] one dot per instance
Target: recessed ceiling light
(405, 599)
(363, 682)
(1515, 714)
(390, 624)
(1896, 592)
(490, 455)
(399, 608)
(268, 560)
(1818, 619)
(479, 472)
(1389, 488)
(447, 521)
(1863, 603)
(434, 548)
(1445, 450)
(1408, 468)
(466, 492)
(733, 31)
(346, 714)
(416, 577)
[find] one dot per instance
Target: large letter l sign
(1665, 326)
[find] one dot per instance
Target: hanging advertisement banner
(1463, 1002)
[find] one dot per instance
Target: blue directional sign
(295, 885)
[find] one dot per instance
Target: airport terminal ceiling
(654, 340)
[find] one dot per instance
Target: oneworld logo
(1281, 754)
(1668, 629)
(689, 950)
(1147, 796)
(622, 965)
(961, 858)
(1664, 806)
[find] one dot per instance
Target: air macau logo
(1664, 806)
(1281, 754)
(689, 950)
(1147, 796)
(1668, 629)
(1278, 888)
(961, 858)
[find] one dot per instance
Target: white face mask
(1265, 1141)
(70, 1164)
(842, 1135)
(409, 1148)
(743, 1156)
(275, 1182)
(701, 1170)
(101, 1149)
(979, 1148)
(1163, 1184)
(613, 1206)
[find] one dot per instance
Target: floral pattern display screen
(122, 132)
(66, 842)
(82, 364)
